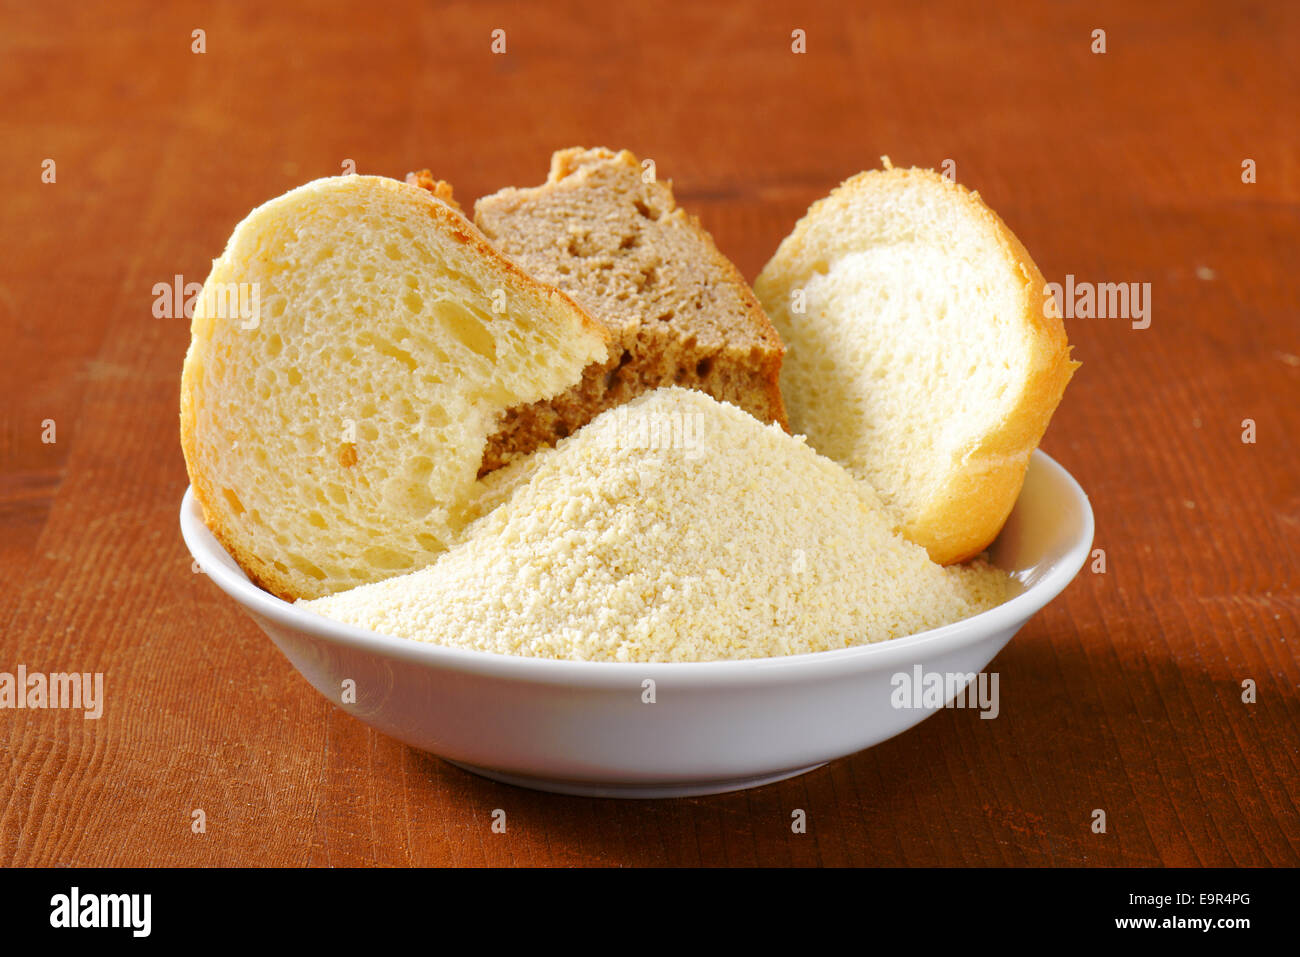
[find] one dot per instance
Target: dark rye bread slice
(679, 312)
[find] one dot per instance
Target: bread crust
(967, 512)
(440, 188)
(215, 511)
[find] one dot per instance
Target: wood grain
(1125, 694)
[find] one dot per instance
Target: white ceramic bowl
(583, 727)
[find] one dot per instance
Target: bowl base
(613, 789)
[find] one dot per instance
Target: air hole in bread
(468, 329)
(430, 543)
(388, 559)
(307, 568)
(236, 505)
(614, 375)
(383, 346)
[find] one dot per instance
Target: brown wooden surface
(1124, 694)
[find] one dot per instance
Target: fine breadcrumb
(674, 528)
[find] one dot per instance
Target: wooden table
(1124, 166)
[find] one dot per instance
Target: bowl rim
(909, 649)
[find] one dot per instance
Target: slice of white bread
(920, 352)
(675, 528)
(680, 313)
(336, 439)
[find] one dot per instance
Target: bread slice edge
(967, 512)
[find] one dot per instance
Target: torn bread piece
(923, 354)
(333, 435)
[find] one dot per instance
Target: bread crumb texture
(674, 528)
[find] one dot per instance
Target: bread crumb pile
(674, 528)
